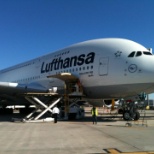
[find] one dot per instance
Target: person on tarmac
(55, 113)
(94, 113)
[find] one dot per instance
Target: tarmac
(110, 135)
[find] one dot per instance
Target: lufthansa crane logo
(118, 54)
(132, 68)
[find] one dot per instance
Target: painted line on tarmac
(116, 151)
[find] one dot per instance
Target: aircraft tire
(72, 116)
(126, 115)
(137, 115)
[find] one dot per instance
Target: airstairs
(142, 121)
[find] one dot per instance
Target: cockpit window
(131, 54)
(147, 53)
(139, 53)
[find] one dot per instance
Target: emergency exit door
(103, 66)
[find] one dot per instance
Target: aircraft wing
(15, 88)
(10, 91)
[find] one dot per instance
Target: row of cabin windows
(75, 69)
(61, 54)
(65, 71)
(16, 67)
(28, 79)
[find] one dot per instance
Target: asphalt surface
(109, 135)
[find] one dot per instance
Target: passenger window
(139, 53)
(131, 54)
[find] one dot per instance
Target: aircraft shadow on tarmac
(8, 116)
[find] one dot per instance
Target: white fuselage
(103, 67)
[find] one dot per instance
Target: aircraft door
(103, 66)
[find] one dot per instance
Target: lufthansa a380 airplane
(107, 68)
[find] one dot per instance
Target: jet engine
(108, 103)
(101, 102)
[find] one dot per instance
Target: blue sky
(31, 28)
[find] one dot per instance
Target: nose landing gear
(130, 109)
(128, 116)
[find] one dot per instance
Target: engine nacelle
(101, 102)
(108, 102)
(96, 102)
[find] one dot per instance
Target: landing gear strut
(130, 109)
